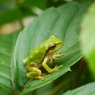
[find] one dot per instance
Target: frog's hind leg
(35, 73)
(32, 74)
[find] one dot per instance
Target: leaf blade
(48, 24)
(6, 45)
(83, 90)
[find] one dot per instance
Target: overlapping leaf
(7, 43)
(88, 37)
(84, 90)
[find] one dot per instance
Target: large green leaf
(88, 37)
(7, 43)
(62, 22)
(84, 90)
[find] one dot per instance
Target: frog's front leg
(34, 73)
(55, 56)
(47, 68)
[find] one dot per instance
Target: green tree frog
(41, 55)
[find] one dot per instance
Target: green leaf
(88, 37)
(6, 5)
(84, 90)
(62, 22)
(3, 92)
(4, 1)
(7, 43)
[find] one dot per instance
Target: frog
(41, 55)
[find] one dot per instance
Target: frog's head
(55, 44)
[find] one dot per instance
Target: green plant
(62, 21)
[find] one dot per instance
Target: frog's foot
(33, 75)
(56, 56)
(56, 68)
(40, 77)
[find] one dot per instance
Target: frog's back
(37, 55)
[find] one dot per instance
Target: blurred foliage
(82, 72)
(12, 10)
(88, 37)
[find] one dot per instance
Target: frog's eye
(53, 46)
